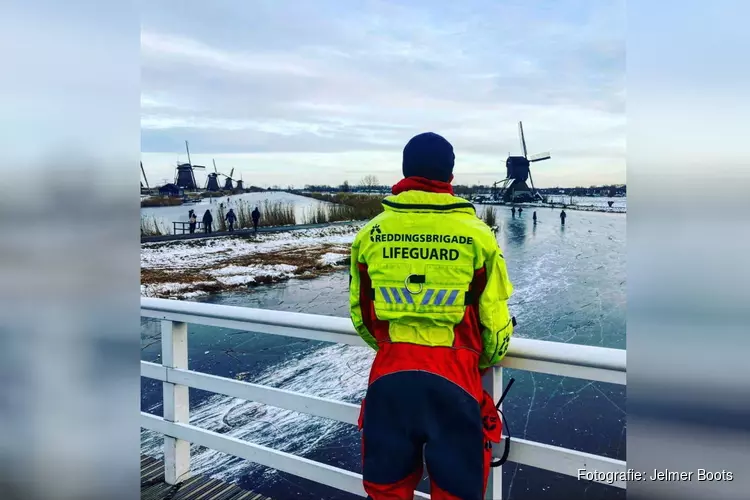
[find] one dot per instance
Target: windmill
(212, 181)
(228, 186)
(514, 187)
(240, 185)
(185, 175)
(144, 178)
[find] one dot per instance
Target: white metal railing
(568, 360)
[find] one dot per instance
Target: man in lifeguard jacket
(428, 291)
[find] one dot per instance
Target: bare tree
(369, 182)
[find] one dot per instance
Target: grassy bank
(489, 216)
(161, 201)
(344, 206)
(324, 214)
(272, 213)
(149, 227)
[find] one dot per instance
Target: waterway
(570, 286)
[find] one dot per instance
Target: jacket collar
(425, 201)
(422, 184)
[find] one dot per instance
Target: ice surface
(336, 371)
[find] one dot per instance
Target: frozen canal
(570, 287)
(165, 216)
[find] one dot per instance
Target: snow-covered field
(582, 203)
(188, 268)
(590, 201)
(165, 216)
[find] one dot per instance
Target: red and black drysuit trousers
(409, 416)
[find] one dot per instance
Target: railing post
(174, 354)
(493, 384)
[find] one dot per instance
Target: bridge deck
(197, 487)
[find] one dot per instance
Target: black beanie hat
(430, 156)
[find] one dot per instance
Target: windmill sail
(144, 176)
(540, 157)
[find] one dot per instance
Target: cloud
(187, 51)
(327, 87)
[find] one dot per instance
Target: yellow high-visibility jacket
(429, 289)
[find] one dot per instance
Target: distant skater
(520, 211)
(256, 218)
(231, 218)
(193, 221)
(534, 216)
(562, 217)
(208, 219)
(513, 211)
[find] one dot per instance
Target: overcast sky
(300, 92)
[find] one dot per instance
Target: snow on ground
(238, 270)
(590, 201)
(581, 203)
(183, 290)
(332, 259)
(169, 287)
(165, 216)
(186, 268)
(241, 275)
(209, 251)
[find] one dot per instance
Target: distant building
(171, 190)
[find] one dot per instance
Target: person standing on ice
(193, 220)
(256, 217)
(533, 216)
(563, 215)
(429, 292)
(231, 218)
(208, 219)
